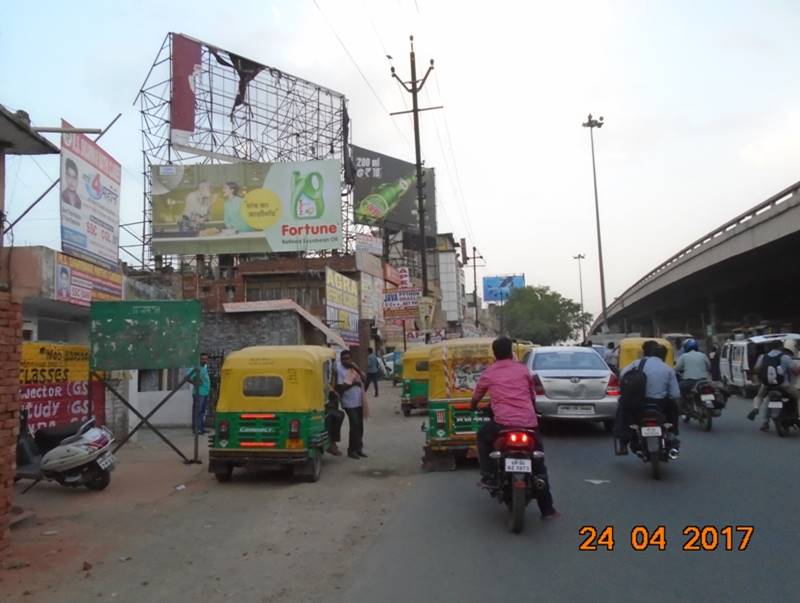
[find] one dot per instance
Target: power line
(358, 68)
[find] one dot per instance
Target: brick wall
(10, 340)
(229, 332)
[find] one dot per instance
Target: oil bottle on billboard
(307, 197)
(377, 205)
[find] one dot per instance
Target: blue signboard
(498, 288)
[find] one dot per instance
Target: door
(737, 365)
(725, 363)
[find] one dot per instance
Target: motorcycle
(72, 455)
(519, 474)
(703, 402)
(782, 412)
(653, 440)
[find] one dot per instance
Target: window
(568, 361)
(737, 354)
(151, 380)
(725, 351)
(265, 387)
(422, 366)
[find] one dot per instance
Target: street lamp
(580, 257)
(592, 123)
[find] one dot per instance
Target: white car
(574, 384)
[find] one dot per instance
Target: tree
(543, 316)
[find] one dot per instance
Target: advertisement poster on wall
(90, 186)
(372, 298)
(341, 305)
(80, 283)
(385, 192)
(401, 304)
(246, 207)
(54, 385)
(498, 288)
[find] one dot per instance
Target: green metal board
(129, 335)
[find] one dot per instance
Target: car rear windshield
(263, 387)
(566, 360)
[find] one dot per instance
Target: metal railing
(728, 226)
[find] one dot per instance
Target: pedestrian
(373, 370)
(202, 388)
(333, 423)
(350, 386)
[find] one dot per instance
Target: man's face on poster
(72, 179)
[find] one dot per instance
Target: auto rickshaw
(415, 379)
(271, 410)
(630, 349)
(455, 367)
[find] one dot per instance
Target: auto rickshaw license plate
(518, 466)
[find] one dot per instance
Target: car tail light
(440, 417)
(537, 385)
(613, 386)
(294, 429)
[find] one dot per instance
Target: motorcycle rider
(510, 387)
(661, 388)
(692, 366)
(785, 370)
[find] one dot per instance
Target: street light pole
(592, 124)
(580, 257)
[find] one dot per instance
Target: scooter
(72, 455)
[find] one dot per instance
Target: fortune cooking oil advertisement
(246, 207)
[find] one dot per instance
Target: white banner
(90, 187)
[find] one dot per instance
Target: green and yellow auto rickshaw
(271, 410)
(415, 379)
(630, 349)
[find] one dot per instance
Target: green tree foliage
(543, 316)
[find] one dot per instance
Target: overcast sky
(700, 101)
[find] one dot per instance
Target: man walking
(373, 370)
(350, 385)
(202, 388)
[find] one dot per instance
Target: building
(451, 282)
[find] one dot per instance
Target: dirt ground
(167, 531)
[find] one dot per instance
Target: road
(381, 530)
(447, 540)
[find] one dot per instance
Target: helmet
(689, 345)
(790, 344)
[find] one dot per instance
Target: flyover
(741, 275)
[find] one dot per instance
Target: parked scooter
(702, 401)
(782, 412)
(72, 455)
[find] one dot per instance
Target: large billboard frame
(498, 288)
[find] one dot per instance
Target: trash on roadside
(50, 533)
(597, 482)
(180, 487)
(87, 566)
(124, 559)
(16, 564)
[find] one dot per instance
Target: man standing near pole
(202, 388)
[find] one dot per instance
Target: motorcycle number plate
(707, 397)
(106, 461)
(651, 431)
(518, 466)
(710, 403)
(775, 405)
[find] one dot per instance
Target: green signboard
(128, 335)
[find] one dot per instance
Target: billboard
(80, 283)
(54, 385)
(385, 192)
(369, 244)
(498, 288)
(246, 207)
(401, 304)
(341, 305)
(186, 72)
(90, 184)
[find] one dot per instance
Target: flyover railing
(703, 242)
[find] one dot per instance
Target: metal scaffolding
(282, 118)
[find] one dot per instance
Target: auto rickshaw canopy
(630, 350)
(415, 362)
(276, 378)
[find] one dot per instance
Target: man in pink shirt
(510, 387)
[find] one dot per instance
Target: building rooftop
(17, 137)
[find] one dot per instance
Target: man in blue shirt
(202, 388)
(661, 388)
(350, 385)
(373, 370)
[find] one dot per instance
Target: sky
(700, 100)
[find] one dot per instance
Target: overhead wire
(360, 71)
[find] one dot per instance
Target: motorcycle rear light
(440, 417)
(707, 389)
(519, 440)
(538, 386)
(650, 423)
(613, 386)
(294, 429)
(99, 442)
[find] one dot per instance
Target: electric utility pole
(413, 87)
(474, 260)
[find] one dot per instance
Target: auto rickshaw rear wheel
(312, 469)
(223, 474)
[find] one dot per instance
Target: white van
(738, 357)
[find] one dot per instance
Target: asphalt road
(446, 540)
